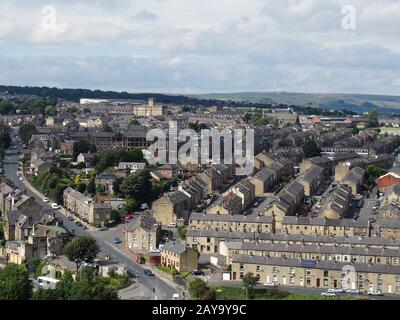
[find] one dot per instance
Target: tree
(311, 149)
(51, 110)
(374, 172)
(80, 249)
(83, 146)
(91, 187)
(135, 155)
(117, 186)
(133, 122)
(182, 232)
(355, 131)
(78, 179)
(138, 186)
(87, 286)
(6, 107)
(131, 205)
(157, 188)
(26, 131)
(258, 119)
(209, 295)
(197, 288)
(107, 128)
(81, 187)
(373, 117)
(33, 264)
(5, 140)
(14, 283)
(249, 281)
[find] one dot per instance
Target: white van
(176, 296)
(47, 283)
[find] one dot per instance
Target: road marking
(114, 247)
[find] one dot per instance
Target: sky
(203, 46)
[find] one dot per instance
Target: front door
(284, 280)
(318, 282)
(301, 282)
(389, 288)
(267, 278)
(234, 276)
(335, 284)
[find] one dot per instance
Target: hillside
(355, 102)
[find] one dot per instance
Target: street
(163, 291)
(298, 290)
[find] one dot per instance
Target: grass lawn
(390, 130)
(172, 271)
(232, 293)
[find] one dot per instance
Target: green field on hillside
(334, 100)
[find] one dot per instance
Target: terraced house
(319, 274)
(336, 205)
(85, 208)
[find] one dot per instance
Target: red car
(129, 216)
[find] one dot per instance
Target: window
(258, 268)
(291, 280)
(325, 282)
(308, 272)
(275, 278)
(242, 267)
(326, 273)
(274, 269)
(292, 270)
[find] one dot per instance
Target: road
(163, 291)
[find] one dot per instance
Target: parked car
(55, 206)
(197, 273)
(79, 224)
(271, 284)
(129, 216)
(148, 272)
(329, 294)
(172, 225)
(338, 291)
(375, 293)
(353, 291)
(45, 200)
(117, 240)
(21, 178)
(175, 296)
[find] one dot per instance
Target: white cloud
(209, 45)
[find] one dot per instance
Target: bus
(47, 283)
